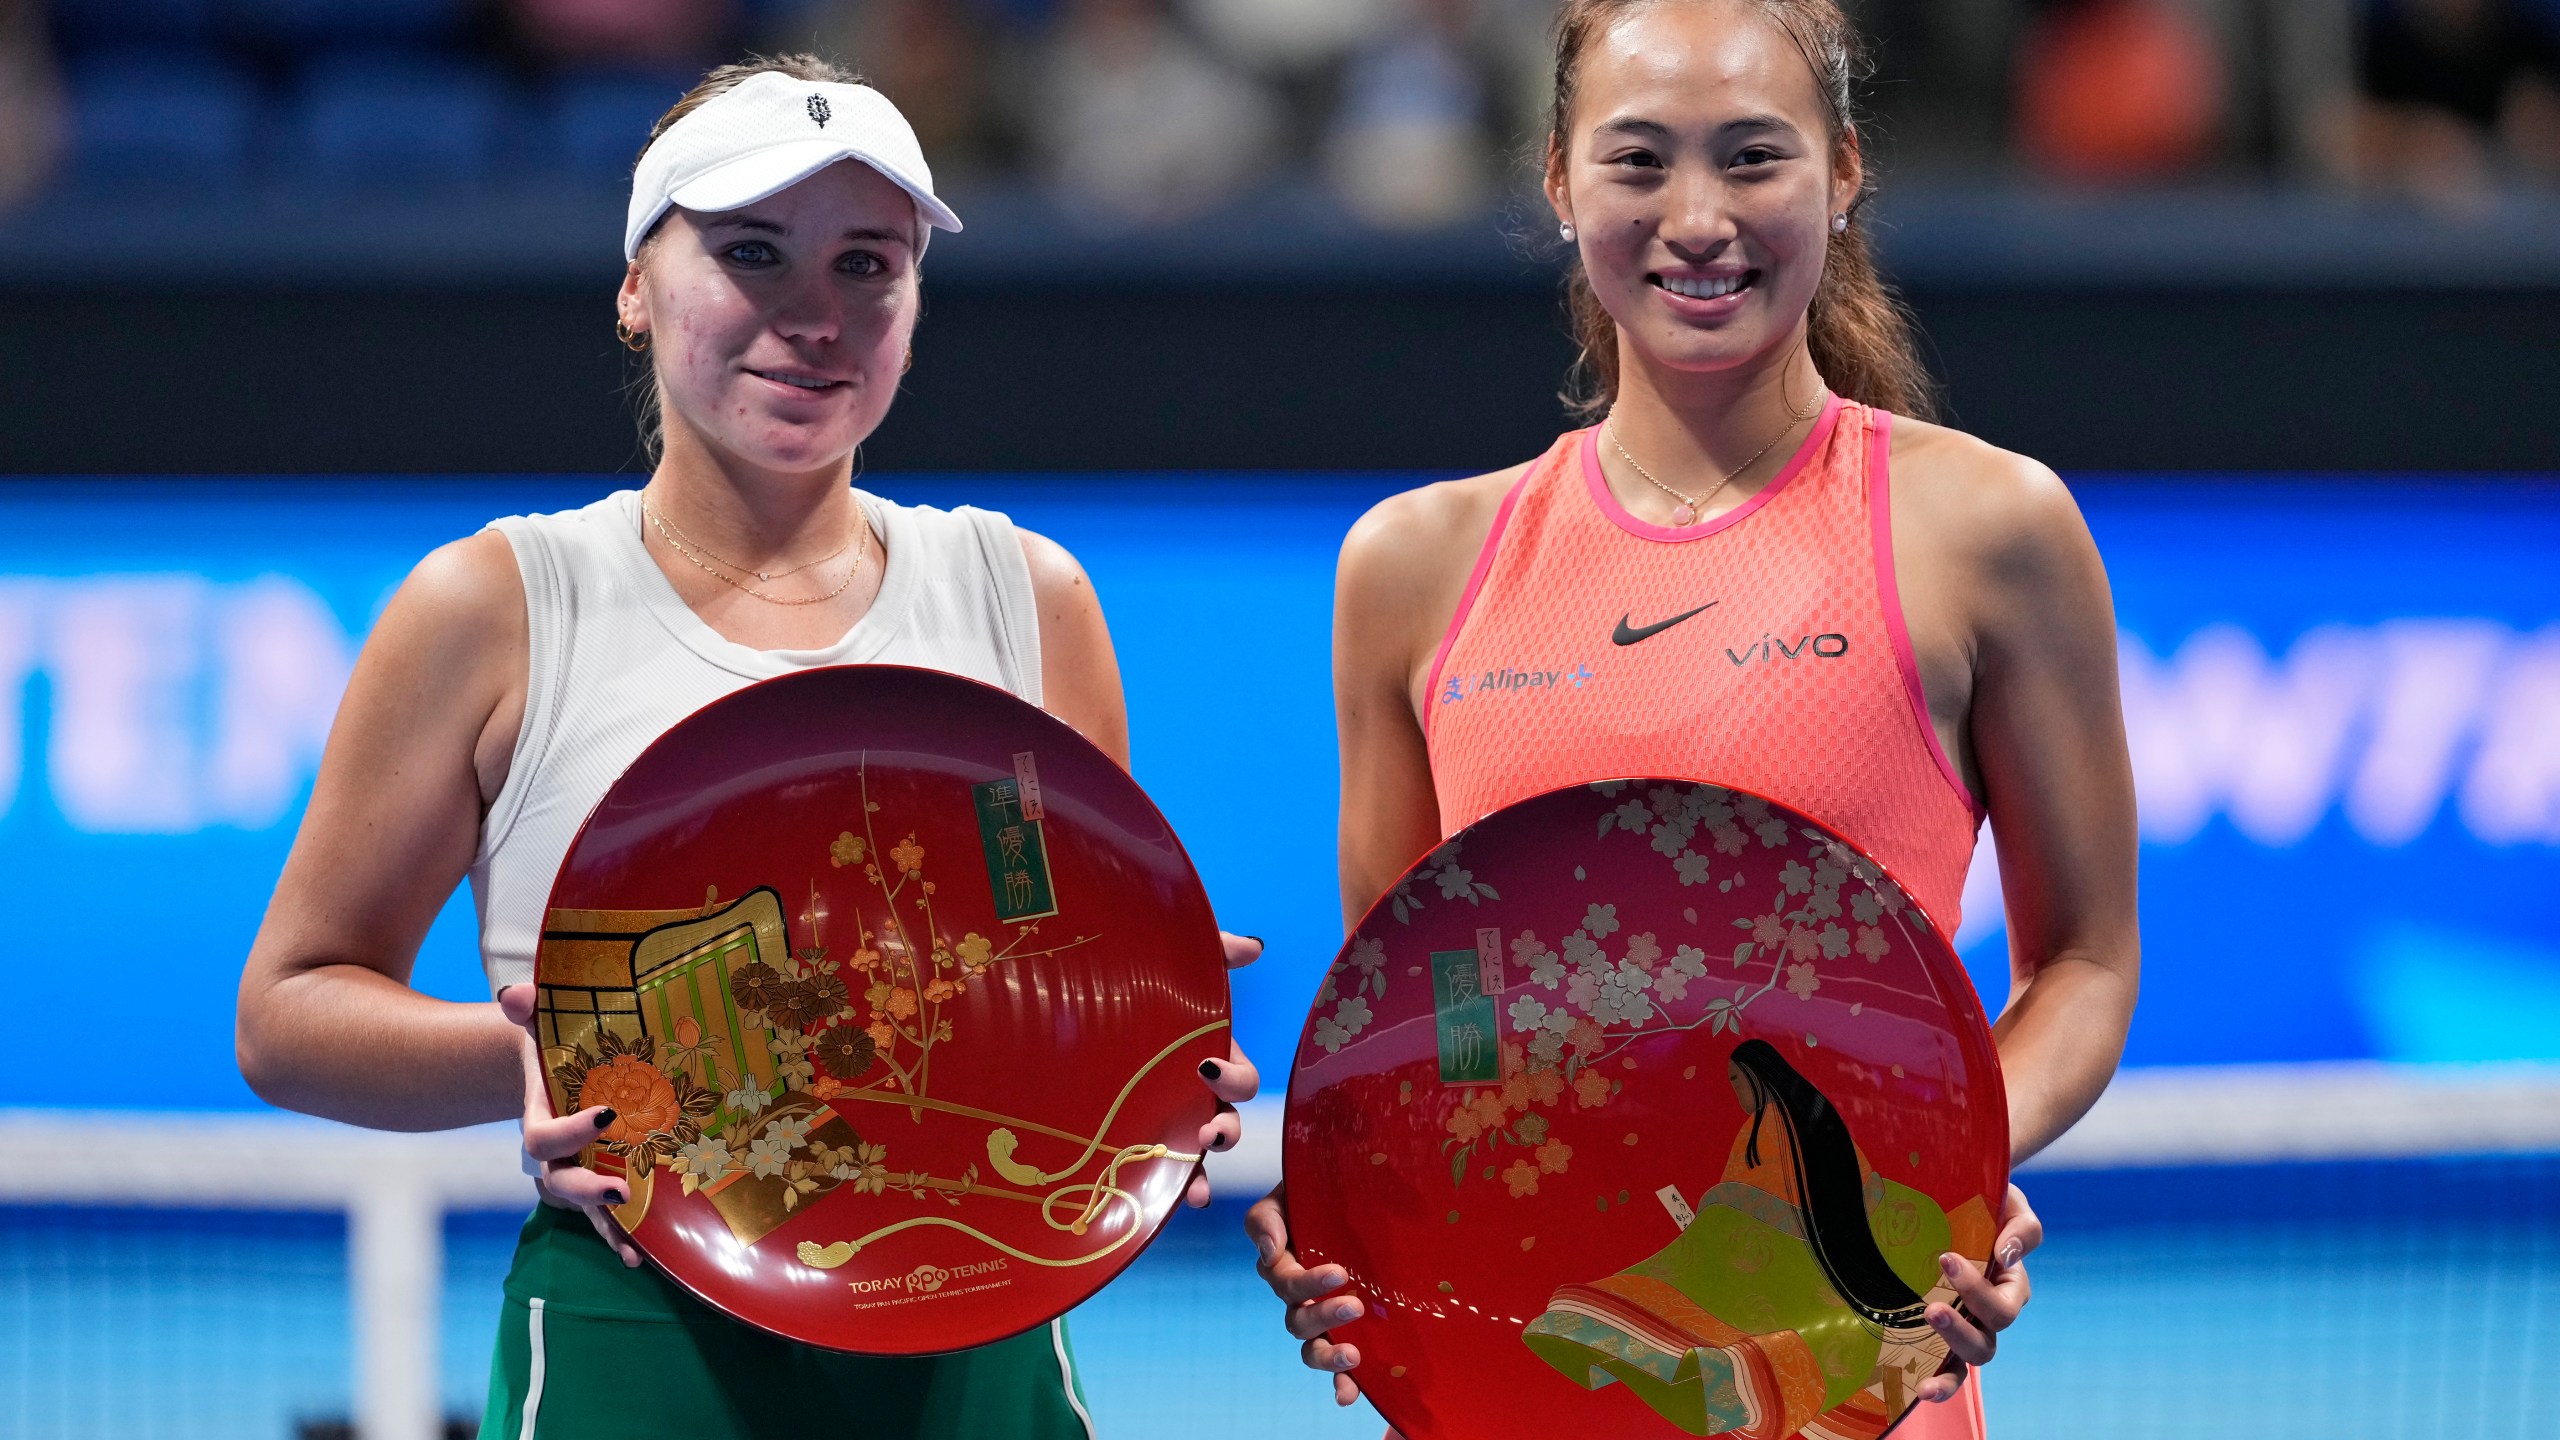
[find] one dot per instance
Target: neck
(748, 512)
(1693, 428)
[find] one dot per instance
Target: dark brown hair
(1858, 329)
(814, 69)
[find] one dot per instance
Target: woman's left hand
(1987, 1302)
(1233, 1081)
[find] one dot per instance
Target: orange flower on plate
(1591, 1089)
(642, 1097)
(907, 855)
(1522, 1177)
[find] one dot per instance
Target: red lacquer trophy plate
(1645, 1108)
(899, 989)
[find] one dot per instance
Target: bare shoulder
(2008, 513)
(465, 598)
(1055, 572)
(1413, 540)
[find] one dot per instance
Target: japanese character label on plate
(1009, 820)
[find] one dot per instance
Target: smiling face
(1699, 173)
(778, 331)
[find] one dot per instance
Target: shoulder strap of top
(1017, 609)
(547, 605)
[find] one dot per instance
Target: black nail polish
(605, 1117)
(613, 1197)
(1220, 1143)
(1256, 939)
(1209, 1070)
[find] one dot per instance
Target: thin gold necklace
(702, 558)
(676, 536)
(1686, 512)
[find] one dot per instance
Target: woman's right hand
(552, 1142)
(1305, 1292)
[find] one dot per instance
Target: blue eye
(861, 262)
(750, 252)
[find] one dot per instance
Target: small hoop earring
(1565, 230)
(633, 340)
(1840, 223)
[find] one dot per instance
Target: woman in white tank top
(779, 216)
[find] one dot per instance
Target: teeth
(1702, 289)
(796, 380)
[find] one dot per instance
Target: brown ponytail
(1859, 331)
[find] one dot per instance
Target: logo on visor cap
(820, 110)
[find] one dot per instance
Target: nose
(809, 308)
(1697, 224)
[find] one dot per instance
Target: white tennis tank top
(618, 658)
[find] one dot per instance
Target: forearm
(2060, 1039)
(349, 1043)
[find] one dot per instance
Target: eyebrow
(1634, 126)
(751, 222)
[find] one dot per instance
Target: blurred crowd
(1408, 113)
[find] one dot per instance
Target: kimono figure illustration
(1793, 1303)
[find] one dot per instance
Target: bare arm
(1403, 568)
(327, 1021)
(1080, 681)
(1079, 671)
(2047, 734)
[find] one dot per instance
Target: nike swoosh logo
(1627, 634)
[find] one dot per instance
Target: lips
(797, 380)
(1706, 287)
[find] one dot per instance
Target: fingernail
(1267, 1248)
(1947, 1264)
(614, 1195)
(605, 1117)
(1341, 1362)
(2010, 1252)
(1256, 939)
(1209, 1070)
(1219, 1143)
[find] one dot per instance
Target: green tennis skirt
(591, 1350)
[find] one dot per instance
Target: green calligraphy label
(1017, 856)
(1470, 1038)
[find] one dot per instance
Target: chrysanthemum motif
(799, 1004)
(753, 984)
(847, 1052)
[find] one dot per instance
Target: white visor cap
(767, 134)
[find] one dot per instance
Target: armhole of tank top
(1017, 608)
(1475, 586)
(1889, 595)
(541, 574)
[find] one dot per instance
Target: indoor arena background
(293, 290)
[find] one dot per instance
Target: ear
(631, 302)
(1848, 172)
(1559, 195)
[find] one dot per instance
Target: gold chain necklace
(702, 561)
(676, 536)
(1686, 512)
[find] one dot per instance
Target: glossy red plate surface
(1522, 1117)
(899, 989)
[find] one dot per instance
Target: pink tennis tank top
(1763, 649)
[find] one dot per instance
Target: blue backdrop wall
(2344, 701)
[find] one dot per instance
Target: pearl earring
(1840, 223)
(1565, 230)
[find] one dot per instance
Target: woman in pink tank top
(1762, 566)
